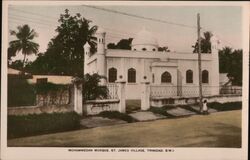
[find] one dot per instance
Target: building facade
(174, 72)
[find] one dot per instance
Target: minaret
(86, 57)
(215, 66)
(101, 61)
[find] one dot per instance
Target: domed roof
(144, 37)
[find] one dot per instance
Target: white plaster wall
(123, 64)
(123, 60)
(148, 69)
(158, 71)
(119, 53)
(184, 65)
(114, 63)
(92, 67)
(95, 107)
(142, 67)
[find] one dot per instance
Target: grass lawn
(221, 129)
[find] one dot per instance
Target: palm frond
(23, 43)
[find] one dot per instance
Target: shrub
(29, 125)
(117, 115)
(92, 89)
(20, 92)
(225, 106)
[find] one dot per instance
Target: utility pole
(199, 60)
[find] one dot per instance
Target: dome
(144, 41)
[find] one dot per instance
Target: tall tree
(126, 44)
(205, 43)
(65, 52)
(231, 63)
(24, 43)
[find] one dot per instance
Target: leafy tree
(91, 88)
(122, 44)
(231, 63)
(126, 44)
(225, 56)
(111, 46)
(23, 43)
(65, 52)
(205, 43)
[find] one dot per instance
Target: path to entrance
(133, 105)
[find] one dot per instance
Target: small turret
(100, 35)
(101, 59)
(87, 48)
(214, 43)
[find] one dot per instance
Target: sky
(223, 21)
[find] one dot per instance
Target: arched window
(205, 76)
(144, 49)
(166, 77)
(153, 78)
(189, 76)
(112, 75)
(131, 75)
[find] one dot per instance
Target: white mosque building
(144, 63)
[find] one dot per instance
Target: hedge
(20, 93)
(36, 124)
(225, 106)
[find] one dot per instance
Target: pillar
(145, 95)
(101, 56)
(121, 95)
(78, 98)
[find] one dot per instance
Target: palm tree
(91, 39)
(205, 43)
(24, 42)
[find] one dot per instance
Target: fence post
(145, 95)
(78, 98)
(121, 95)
